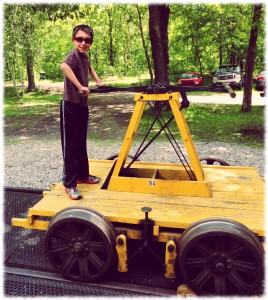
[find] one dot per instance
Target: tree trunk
(197, 52)
(158, 31)
(29, 56)
(251, 54)
(30, 70)
(111, 48)
(144, 46)
(220, 40)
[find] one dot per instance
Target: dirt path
(109, 115)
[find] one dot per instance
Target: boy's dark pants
(73, 125)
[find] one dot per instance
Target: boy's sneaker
(89, 180)
(73, 193)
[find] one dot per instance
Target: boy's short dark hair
(83, 27)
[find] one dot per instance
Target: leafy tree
(221, 31)
(139, 23)
(196, 37)
(25, 21)
(12, 48)
(19, 25)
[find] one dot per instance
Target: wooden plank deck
(237, 194)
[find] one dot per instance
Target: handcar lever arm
(162, 89)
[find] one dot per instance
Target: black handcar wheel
(213, 161)
(220, 257)
(80, 244)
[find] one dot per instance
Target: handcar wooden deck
(237, 194)
(211, 217)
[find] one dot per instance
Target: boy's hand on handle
(99, 83)
(84, 91)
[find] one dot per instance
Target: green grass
(224, 123)
(30, 104)
(227, 123)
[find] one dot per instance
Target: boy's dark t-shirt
(79, 63)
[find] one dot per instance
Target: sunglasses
(81, 40)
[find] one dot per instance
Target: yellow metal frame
(164, 181)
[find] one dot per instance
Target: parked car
(231, 74)
(191, 78)
(260, 81)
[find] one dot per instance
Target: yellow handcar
(210, 217)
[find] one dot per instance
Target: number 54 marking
(151, 183)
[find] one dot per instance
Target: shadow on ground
(109, 116)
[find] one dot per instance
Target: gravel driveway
(38, 164)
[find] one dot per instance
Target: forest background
(201, 37)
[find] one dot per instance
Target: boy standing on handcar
(74, 112)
